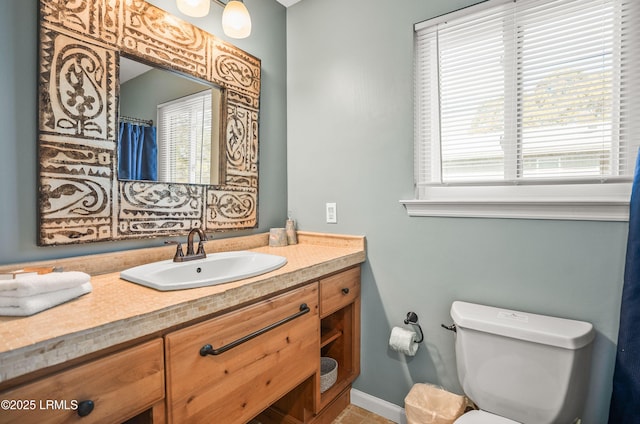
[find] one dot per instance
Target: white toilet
(520, 367)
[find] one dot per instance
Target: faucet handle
(201, 248)
(179, 253)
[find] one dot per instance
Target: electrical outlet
(332, 213)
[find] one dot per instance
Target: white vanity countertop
(117, 311)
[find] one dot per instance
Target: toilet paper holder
(412, 319)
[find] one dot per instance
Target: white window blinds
(184, 139)
(528, 91)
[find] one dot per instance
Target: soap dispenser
(290, 229)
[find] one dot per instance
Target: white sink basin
(216, 268)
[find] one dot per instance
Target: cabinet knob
(85, 407)
(345, 290)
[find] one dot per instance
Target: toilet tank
(530, 368)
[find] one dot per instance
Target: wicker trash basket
(428, 404)
(328, 373)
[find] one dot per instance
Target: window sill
(601, 202)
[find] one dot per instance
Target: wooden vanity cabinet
(260, 360)
(273, 347)
(119, 387)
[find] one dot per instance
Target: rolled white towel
(29, 305)
(29, 285)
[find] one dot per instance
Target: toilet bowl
(519, 367)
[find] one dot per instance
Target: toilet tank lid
(561, 332)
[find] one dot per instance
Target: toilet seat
(483, 417)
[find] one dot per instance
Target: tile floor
(356, 415)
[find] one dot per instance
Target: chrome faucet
(190, 255)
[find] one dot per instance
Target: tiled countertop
(117, 311)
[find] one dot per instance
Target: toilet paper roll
(403, 341)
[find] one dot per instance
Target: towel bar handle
(209, 350)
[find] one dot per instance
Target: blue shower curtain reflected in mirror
(137, 152)
(625, 400)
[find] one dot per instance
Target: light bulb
(236, 22)
(194, 8)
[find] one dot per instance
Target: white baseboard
(385, 409)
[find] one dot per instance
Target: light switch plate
(332, 213)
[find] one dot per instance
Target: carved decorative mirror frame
(80, 197)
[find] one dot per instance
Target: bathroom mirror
(169, 126)
(81, 199)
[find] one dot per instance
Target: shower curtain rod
(129, 119)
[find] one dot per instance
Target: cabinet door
(274, 347)
(119, 386)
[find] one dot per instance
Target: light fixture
(236, 22)
(194, 8)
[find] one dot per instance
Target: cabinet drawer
(237, 384)
(339, 290)
(120, 386)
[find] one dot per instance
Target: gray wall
(350, 141)
(18, 97)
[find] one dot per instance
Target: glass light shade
(236, 22)
(194, 8)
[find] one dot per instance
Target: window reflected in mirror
(169, 126)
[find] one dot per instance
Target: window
(527, 103)
(184, 139)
